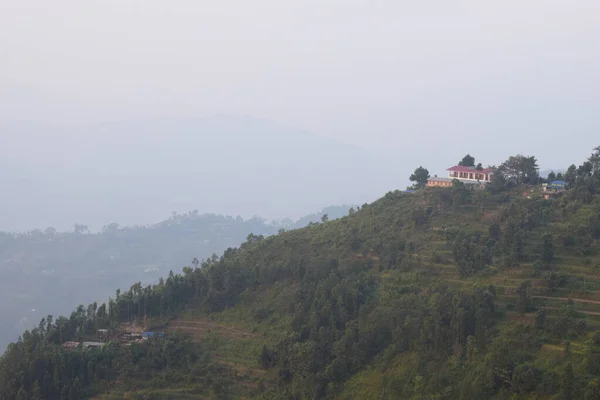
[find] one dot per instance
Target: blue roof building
(558, 185)
(147, 335)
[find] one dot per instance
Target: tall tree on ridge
(420, 177)
(467, 161)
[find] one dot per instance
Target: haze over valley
(136, 172)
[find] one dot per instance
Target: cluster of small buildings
(84, 345)
(132, 334)
(470, 176)
(478, 178)
(126, 336)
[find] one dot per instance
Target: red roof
(460, 168)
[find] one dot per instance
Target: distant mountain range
(544, 173)
(135, 171)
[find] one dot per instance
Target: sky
(414, 82)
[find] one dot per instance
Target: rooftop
(460, 168)
(558, 183)
(92, 344)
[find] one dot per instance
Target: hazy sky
(420, 80)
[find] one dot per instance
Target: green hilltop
(444, 293)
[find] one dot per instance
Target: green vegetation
(440, 294)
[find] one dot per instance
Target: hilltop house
(468, 175)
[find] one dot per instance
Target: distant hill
(137, 171)
(544, 173)
(332, 212)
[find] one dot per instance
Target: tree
(324, 218)
(551, 176)
(593, 390)
(594, 160)
(568, 382)
(460, 194)
(547, 255)
(571, 174)
(37, 391)
(519, 170)
(21, 394)
(494, 231)
(467, 161)
(80, 229)
(420, 177)
(540, 318)
(479, 167)
(75, 390)
(110, 228)
(267, 358)
(498, 183)
(524, 302)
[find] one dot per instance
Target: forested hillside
(44, 272)
(445, 293)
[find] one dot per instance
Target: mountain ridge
(445, 293)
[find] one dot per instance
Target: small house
(148, 335)
(553, 188)
(93, 345)
(70, 345)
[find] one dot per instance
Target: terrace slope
(440, 294)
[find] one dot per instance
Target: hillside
(46, 272)
(446, 293)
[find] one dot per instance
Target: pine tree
(75, 391)
(568, 381)
(55, 387)
(547, 250)
(37, 391)
(21, 394)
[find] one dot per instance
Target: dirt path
(200, 328)
(576, 300)
(578, 311)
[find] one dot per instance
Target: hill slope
(441, 294)
(45, 272)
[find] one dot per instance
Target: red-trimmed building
(467, 175)
(470, 173)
